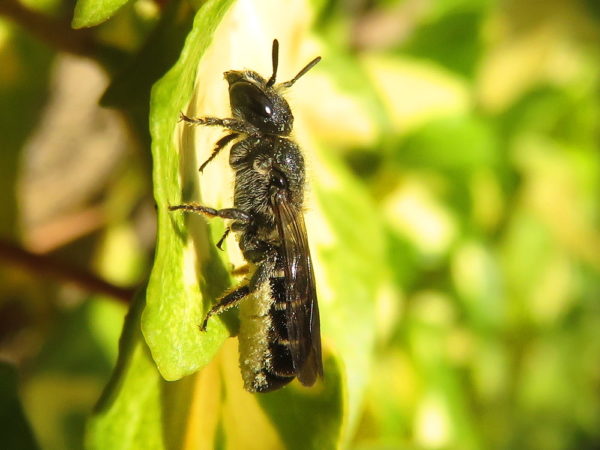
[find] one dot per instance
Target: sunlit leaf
(89, 13)
(415, 92)
(309, 420)
(347, 235)
(529, 47)
(173, 310)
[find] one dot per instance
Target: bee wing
(301, 296)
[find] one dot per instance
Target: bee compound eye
(249, 99)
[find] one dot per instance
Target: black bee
(279, 328)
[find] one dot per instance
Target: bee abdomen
(278, 369)
(267, 382)
(281, 363)
(265, 356)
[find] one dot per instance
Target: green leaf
(130, 88)
(69, 373)
(458, 144)
(128, 415)
(138, 408)
(14, 428)
(351, 273)
(89, 13)
(173, 311)
(451, 21)
(309, 420)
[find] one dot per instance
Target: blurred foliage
(453, 211)
(11, 412)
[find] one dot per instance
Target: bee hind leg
(229, 300)
(232, 298)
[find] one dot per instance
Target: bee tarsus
(225, 234)
(220, 145)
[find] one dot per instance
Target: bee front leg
(231, 124)
(220, 243)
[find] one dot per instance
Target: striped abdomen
(265, 357)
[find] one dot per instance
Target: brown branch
(48, 266)
(55, 32)
(50, 235)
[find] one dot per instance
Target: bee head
(254, 102)
(259, 101)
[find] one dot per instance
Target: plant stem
(48, 266)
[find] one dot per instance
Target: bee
(279, 337)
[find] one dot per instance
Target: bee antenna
(275, 58)
(306, 68)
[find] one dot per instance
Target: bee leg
(229, 300)
(220, 243)
(220, 145)
(242, 270)
(226, 213)
(231, 124)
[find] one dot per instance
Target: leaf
(130, 89)
(139, 409)
(16, 431)
(307, 419)
(415, 92)
(531, 47)
(173, 311)
(128, 415)
(456, 22)
(346, 236)
(89, 13)
(459, 144)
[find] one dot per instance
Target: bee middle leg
(220, 243)
(242, 270)
(226, 213)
